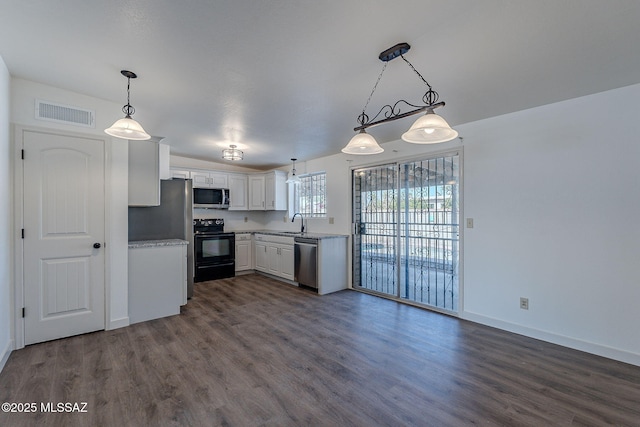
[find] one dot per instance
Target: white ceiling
(288, 78)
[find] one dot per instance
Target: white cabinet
(145, 172)
(157, 281)
(238, 192)
(261, 257)
(180, 173)
(244, 248)
(268, 191)
(274, 255)
(204, 179)
(256, 192)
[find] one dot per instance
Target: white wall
(6, 307)
(23, 95)
(554, 196)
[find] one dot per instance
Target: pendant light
(428, 129)
(232, 153)
(128, 128)
(292, 178)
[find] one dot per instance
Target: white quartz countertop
(293, 234)
(157, 243)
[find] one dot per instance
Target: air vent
(66, 114)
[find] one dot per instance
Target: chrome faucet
(301, 221)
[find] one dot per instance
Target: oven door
(214, 248)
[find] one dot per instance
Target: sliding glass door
(407, 231)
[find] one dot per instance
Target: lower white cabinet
(244, 248)
(274, 255)
(157, 279)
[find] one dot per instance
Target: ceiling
(288, 78)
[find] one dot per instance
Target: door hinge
(23, 233)
(22, 154)
(23, 311)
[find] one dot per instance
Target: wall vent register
(59, 113)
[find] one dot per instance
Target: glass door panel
(375, 218)
(429, 208)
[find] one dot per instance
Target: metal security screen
(406, 231)
(310, 196)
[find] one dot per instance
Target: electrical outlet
(285, 219)
(524, 303)
(330, 220)
(246, 219)
(469, 222)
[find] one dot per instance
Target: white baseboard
(6, 352)
(118, 323)
(589, 347)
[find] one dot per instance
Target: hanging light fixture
(232, 153)
(428, 129)
(292, 178)
(128, 128)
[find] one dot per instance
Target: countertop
(294, 234)
(157, 243)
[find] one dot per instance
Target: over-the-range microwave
(211, 198)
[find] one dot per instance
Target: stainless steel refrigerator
(173, 219)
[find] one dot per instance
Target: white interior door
(63, 226)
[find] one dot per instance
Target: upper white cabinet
(145, 171)
(268, 191)
(204, 179)
(180, 173)
(238, 186)
(256, 192)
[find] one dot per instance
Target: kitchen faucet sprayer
(301, 221)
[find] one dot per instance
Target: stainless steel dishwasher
(306, 261)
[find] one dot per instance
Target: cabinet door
(286, 262)
(144, 174)
(200, 179)
(180, 173)
(218, 180)
(276, 191)
(238, 193)
(273, 259)
(243, 255)
(256, 192)
(261, 257)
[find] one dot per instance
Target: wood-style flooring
(251, 351)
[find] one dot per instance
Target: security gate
(406, 231)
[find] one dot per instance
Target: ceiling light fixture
(428, 129)
(292, 178)
(128, 128)
(232, 153)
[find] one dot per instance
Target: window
(310, 196)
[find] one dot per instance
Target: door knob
(96, 245)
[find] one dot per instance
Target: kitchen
(536, 219)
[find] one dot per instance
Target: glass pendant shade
(362, 144)
(292, 178)
(232, 153)
(127, 128)
(429, 129)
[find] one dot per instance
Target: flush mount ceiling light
(292, 177)
(232, 153)
(428, 129)
(128, 128)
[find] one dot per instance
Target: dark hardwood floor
(251, 351)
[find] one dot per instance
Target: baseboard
(588, 347)
(6, 352)
(118, 323)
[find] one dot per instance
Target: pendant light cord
(416, 71)
(128, 109)
(363, 118)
